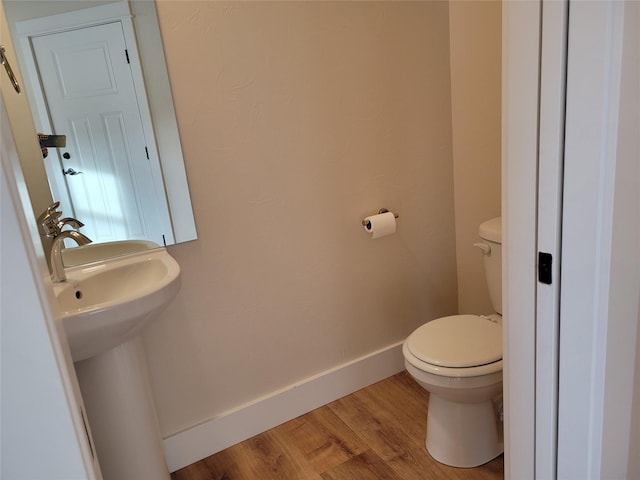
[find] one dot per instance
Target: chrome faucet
(57, 265)
(50, 227)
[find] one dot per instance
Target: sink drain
(78, 294)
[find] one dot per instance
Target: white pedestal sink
(104, 305)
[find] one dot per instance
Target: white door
(91, 99)
(534, 62)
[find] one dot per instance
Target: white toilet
(458, 359)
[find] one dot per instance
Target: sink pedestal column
(122, 417)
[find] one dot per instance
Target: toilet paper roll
(380, 225)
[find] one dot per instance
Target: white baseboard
(248, 420)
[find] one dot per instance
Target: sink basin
(104, 303)
(95, 252)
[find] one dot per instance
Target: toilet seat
(456, 346)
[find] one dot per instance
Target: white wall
(42, 434)
(475, 35)
(38, 438)
(297, 120)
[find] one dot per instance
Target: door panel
(97, 76)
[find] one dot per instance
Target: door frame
(597, 337)
(601, 225)
(520, 101)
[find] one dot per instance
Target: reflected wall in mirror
(94, 70)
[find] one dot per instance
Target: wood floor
(375, 433)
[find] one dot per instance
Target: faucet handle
(51, 208)
(48, 220)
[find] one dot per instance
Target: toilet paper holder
(367, 224)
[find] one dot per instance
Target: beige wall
(622, 377)
(632, 36)
(297, 120)
(475, 42)
(23, 128)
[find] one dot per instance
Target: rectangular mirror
(95, 72)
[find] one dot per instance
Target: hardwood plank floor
(377, 433)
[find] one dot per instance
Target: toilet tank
(491, 234)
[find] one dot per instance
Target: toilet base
(463, 434)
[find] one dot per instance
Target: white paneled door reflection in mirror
(84, 75)
(92, 100)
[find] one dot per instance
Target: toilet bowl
(458, 360)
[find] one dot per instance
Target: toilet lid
(457, 341)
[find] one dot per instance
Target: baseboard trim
(248, 420)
